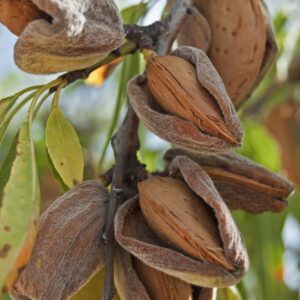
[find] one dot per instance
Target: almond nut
(174, 85)
(181, 219)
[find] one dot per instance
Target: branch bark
(127, 170)
(177, 16)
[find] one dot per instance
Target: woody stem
(127, 170)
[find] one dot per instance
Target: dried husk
(133, 234)
(195, 31)
(82, 32)
(126, 280)
(243, 44)
(176, 130)
(135, 280)
(68, 249)
(17, 14)
(243, 184)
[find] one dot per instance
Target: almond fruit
(242, 183)
(174, 85)
(238, 47)
(82, 34)
(68, 250)
(182, 219)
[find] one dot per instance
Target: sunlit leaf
(98, 76)
(8, 102)
(260, 146)
(130, 67)
(6, 167)
(20, 210)
(5, 297)
(133, 13)
(93, 289)
(56, 174)
(5, 105)
(279, 21)
(10, 114)
(64, 148)
(229, 293)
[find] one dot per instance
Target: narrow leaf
(20, 210)
(5, 105)
(228, 293)
(93, 289)
(130, 67)
(64, 148)
(6, 166)
(132, 14)
(60, 181)
(5, 297)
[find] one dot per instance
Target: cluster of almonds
(176, 238)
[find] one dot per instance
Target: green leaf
(5, 168)
(20, 210)
(260, 146)
(64, 148)
(93, 289)
(5, 105)
(279, 21)
(229, 293)
(130, 67)
(10, 114)
(56, 175)
(5, 297)
(132, 14)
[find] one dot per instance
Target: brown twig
(177, 16)
(138, 37)
(146, 36)
(127, 170)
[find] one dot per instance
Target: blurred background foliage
(271, 120)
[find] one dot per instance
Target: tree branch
(127, 170)
(137, 37)
(177, 16)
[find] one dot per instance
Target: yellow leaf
(64, 148)
(93, 289)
